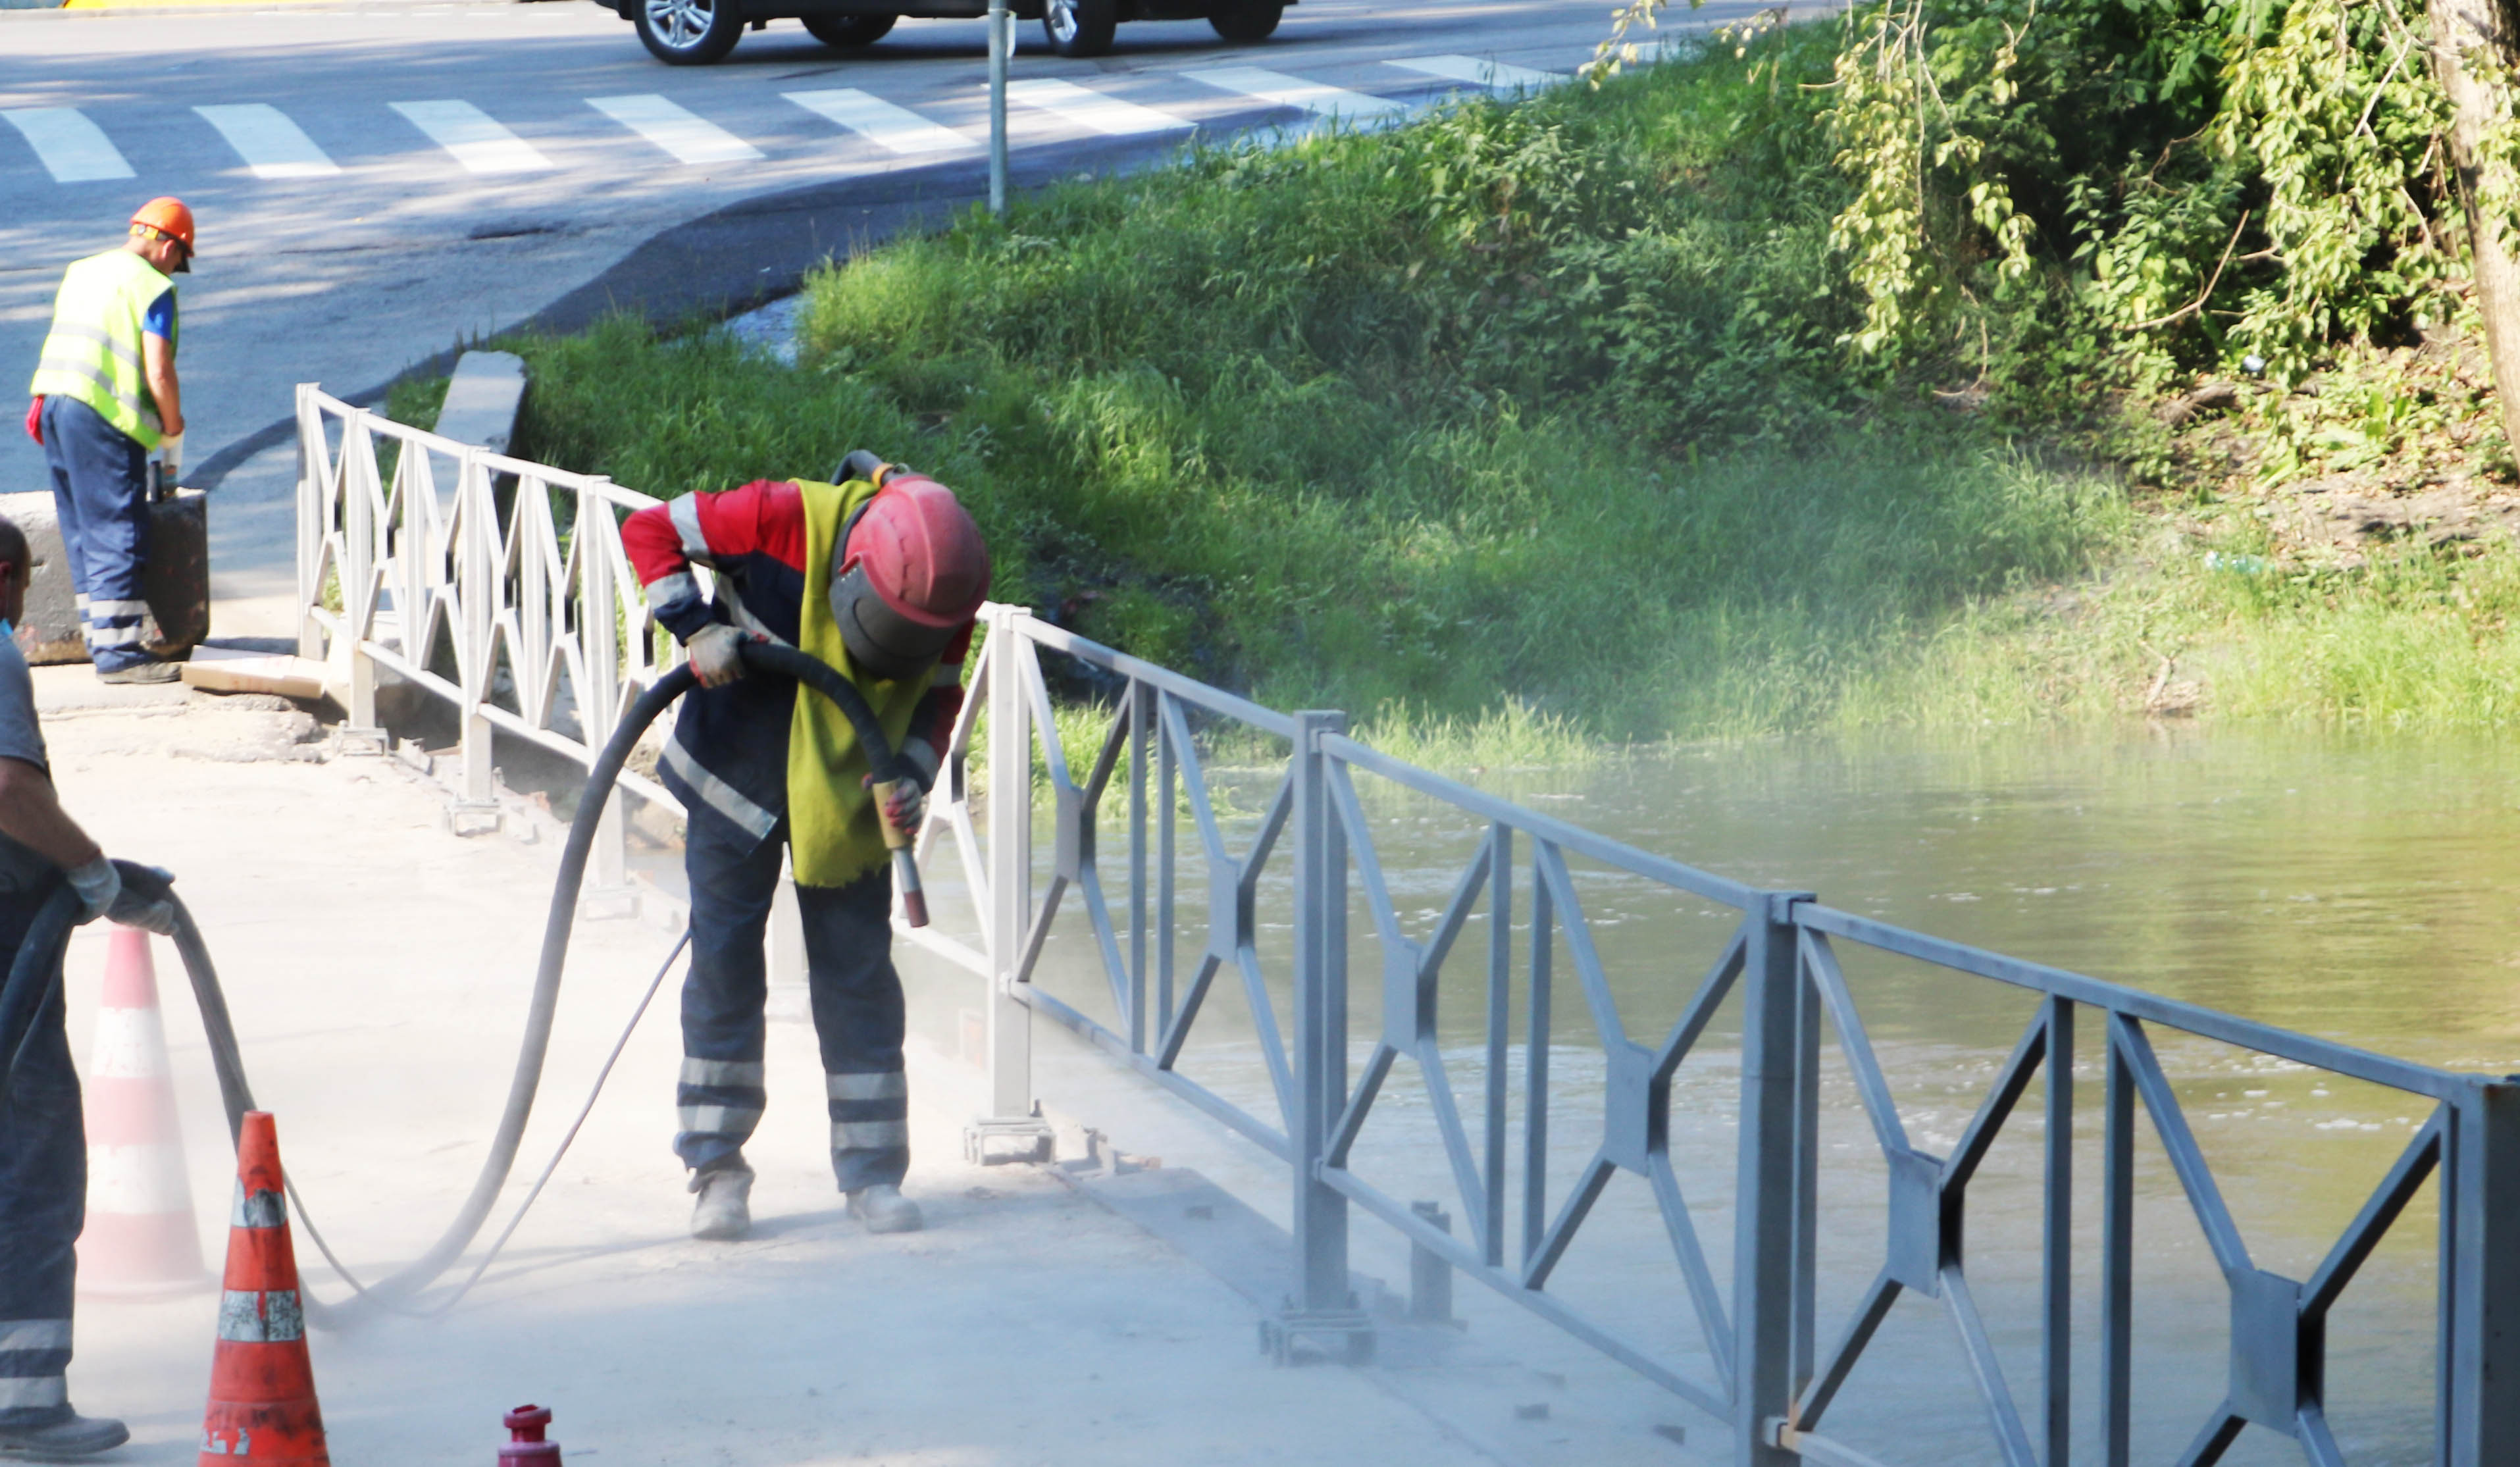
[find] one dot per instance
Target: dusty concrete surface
(378, 968)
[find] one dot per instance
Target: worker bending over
(106, 397)
(43, 1138)
(879, 576)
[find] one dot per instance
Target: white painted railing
(444, 578)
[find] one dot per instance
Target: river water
(2356, 888)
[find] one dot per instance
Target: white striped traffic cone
(140, 1237)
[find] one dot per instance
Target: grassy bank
(1533, 423)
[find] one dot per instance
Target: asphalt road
(376, 184)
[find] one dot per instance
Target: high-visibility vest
(832, 834)
(93, 354)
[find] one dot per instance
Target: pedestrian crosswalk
(1279, 89)
(72, 147)
(667, 124)
(1480, 71)
(896, 128)
(1095, 111)
(270, 144)
(476, 141)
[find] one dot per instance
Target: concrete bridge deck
(378, 968)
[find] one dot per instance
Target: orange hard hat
(169, 217)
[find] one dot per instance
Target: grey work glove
(714, 654)
(101, 887)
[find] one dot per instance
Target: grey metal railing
(1777, 1364)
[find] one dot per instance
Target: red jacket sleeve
(931, 725)
(765, 518)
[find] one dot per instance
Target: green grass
(1517, 428)
(1518, 431)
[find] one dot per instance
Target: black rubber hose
(37, 969)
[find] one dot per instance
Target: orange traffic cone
(140, 1237)
(262, 1387)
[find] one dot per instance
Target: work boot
(724, 1212)
(67, 1434)
(882, 1209)
(143, 672)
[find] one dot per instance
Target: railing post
(475, 810)
(314, 463)
(1765, 1218)
(1012, 1117)
(1323, 1309)
(361, 733)
(2480, 1286)
(592, 536)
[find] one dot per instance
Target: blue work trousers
(856, 997)
(100, 497)
(43, 1205)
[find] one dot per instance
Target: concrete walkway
(378, 968)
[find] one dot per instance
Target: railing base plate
(990, 1141)
(350, 741)
(1294, 1337)
(473, 816)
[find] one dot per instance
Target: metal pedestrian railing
(497, 585)
(1777, 1365)
(416, 576)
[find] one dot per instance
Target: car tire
(846, 31)
(1247, 20)
(687, 32)
(1080, 27)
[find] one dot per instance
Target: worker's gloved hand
(170, 452)
(100, 886)
(715, 658)
(35, 420)
(860, 463)
(905, 804)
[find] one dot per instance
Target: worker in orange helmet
(105, 398)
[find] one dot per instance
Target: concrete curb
(483, 398)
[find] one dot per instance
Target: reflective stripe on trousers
(855, 995)
(100, 498)
(43, 1202)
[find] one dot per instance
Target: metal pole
(1009, 868)
(1323, 1309)
(2480, 1291)
(1012, 1130)
(1320, 1075)
(1764, 1214)
(314, 465)
(1001, 40)
(2056, 1281)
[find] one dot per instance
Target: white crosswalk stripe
(1293, 91)
(689, 139)
(73, 149)
(895, 128)
(271, 145)
(1109, 116)
(1479, 71)
(477, 142)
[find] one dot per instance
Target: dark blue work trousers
(856, 1000)
(43, 1205)
(100, 497)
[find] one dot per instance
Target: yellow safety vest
(93, 354)
(833, 838)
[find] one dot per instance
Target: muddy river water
(2357, 888)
